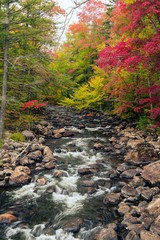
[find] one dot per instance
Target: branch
(69, 15)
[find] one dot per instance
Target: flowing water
(43, 210)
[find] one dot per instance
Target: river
(45, 211)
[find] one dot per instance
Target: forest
(109, 61)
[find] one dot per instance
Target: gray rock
(28, 135)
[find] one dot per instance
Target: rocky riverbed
(131, 183)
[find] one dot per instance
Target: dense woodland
(110, 60)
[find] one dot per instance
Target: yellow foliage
(129, 1)
(88, 95)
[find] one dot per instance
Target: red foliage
(33, 104)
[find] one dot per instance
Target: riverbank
(133, 154)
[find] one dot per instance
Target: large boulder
(151, 173)
(142, 153)
(21, 175)
(153, 208)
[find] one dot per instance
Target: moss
(18, 137)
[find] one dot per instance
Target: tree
(133, 49)
(28, 31)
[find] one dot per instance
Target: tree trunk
(5, 72)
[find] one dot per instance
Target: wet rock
(7, 218)
(88, 183)
(155, 226)
(123, 208)
(151, 173)
(51, 189)
(147, 235)
(49, 165)
(112, 198)
(58, 132)
(107, 233)
(28, 135)
(68, 134)
(132, 235)
(47, 151)
(98, 146)
(123, 167)
(48, 155)
(85, 171)
(2, 183)
(73, 225)
(130, 173)
(21, 175)
(42, 181)
(91, 190)
(153, 207)
(58, 173)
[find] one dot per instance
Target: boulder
(58, 132)
(49, 165)
(123, 208)
(130, 173)
(147, 235)
(107, 233)
(112, 198)
(35, 155)
(86, 171)
(7, 218)
(132, 235)
(28, 135)
(24, 161)
(128, 190)
(151, 173)
(73, 225)
(155, 226)
(68, 134)
(98, 146)
(153, 207)
(21, 175)
(41, 181)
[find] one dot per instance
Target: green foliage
(1, 143)
(143, 122)
(18, 137)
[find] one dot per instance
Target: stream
(45, 210)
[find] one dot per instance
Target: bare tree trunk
(5, 72)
